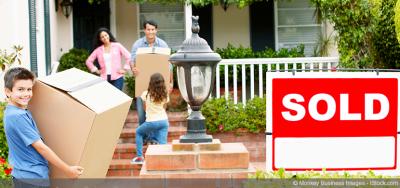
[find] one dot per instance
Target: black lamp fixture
(66, 7)
(196, 64)
(224, 4)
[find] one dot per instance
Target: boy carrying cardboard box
(28, 154)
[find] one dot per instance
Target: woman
(108, 53)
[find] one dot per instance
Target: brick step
(126, 151)
(172, 117)
(123, 167)
(171, 124)
(128, 135)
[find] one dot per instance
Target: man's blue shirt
(142, 42)
(21, 133)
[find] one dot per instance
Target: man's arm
(135, 46)
(49, 155)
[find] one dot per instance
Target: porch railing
(262, 65)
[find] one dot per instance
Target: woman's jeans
(118, 83)
(159, 129)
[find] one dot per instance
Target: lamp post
(196, 64)
(66, 7)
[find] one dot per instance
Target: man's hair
(150, 22)
(17, 73)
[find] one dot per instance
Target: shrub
(7, 59)
(130, 88)
(366, 32)
(223, 115)
(3, 141)
(231, 52)
(5, 169)
(385, 44)
(282, 174)
(74, 58)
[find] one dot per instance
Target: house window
(296, 24)
(170, 20)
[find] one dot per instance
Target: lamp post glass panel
(196, 64)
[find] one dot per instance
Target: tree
(366, 34)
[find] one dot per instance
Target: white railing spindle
(217, 83)
(234, 84)
(226, 82)
(244, 82)
(252, 81)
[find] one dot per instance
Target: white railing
(269, 64)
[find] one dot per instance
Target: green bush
(385, 44)
(231, 52)
(74, 58)
(3, 141)
(223, 115)
(366, 31)
(130, 88)
(282, 174)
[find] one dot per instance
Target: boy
(27, 153)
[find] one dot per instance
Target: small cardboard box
(80, 117)
(150, 61)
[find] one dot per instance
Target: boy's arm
(47, 153)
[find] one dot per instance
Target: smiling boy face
(21, 93)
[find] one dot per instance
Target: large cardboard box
(80, 117)
(150, 61)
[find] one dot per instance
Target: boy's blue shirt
(21, 132)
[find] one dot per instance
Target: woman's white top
(107, 61)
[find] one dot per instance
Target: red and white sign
(332, 121)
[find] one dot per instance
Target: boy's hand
(74, 171)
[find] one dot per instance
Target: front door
(87, 19)
(262, 25)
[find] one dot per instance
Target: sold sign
(333, 121)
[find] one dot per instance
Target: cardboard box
(80, 117)
(150, 61)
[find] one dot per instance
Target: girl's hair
(96, 40)
(157, 90)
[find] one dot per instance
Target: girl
(108, 53)
(156, 124)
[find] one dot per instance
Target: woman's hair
(96, 40)
(157, 90)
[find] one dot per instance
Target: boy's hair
(17, 73)
(157, 89)
(150, 22)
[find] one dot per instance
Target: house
(46, 32)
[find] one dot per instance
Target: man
(149, 40)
